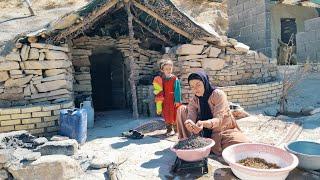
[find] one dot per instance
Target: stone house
(91, 54)
(263, 25)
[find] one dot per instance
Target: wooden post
(131, 60)
(29, 7)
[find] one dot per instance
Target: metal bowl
(308, 153)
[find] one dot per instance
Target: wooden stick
(160, 36)
(29, 7)
(91, 19)
(165, 22)
(132, 64)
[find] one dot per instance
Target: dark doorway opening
(288, 29)
(108, 74)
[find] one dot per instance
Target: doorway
(108, 79)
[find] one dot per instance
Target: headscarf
(205, 110)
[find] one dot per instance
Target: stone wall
(254, 95)
(308, 42)
(35, 74)
(249, 22)
(145, 62)
(38, 120)
(229, 65)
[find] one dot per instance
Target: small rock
(40, 141)
(99, 163)
(214, 52)
(66, 147)
(59, 138)
(242, 47)
(4, 174)
(5, 155)
(307, 110)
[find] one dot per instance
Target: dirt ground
(151, 157)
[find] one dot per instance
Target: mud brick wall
(308, 47)
(38, 120)
(35, 74)
(254, 95)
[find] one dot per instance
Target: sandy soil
(151, 157)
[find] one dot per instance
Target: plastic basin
(192, 155)
(308, 153)
(271, 154)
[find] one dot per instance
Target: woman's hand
(192, 127)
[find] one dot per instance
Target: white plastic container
(87, 105)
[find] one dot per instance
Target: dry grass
(39, 4)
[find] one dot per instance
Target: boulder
(189, 49)
(13, 56)
(50, 167)
(4, 76)
(34, 53)
(18, 82)
(47, 64)
(6, 66)
(66, 147)
(56, 55)
(213, 64)
(52, 85)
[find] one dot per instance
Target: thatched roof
(158, 18)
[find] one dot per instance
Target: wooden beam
(165, 22)
(160, 36)
(91, 19)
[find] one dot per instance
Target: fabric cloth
(172, 95)
(158, 92)
(205, 111)
(225, 129)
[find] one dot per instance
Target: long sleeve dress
(225, 129)
(172, 95)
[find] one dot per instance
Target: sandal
(133, 134)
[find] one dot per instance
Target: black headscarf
(205, 110)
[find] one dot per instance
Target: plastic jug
(87, 105)
(73, 124)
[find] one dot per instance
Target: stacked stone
(227, 64)
(145, 62)
(38, 120)
(35, 73)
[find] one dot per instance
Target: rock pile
(22, 156)
(35, 73)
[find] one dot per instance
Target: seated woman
(208, 113)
